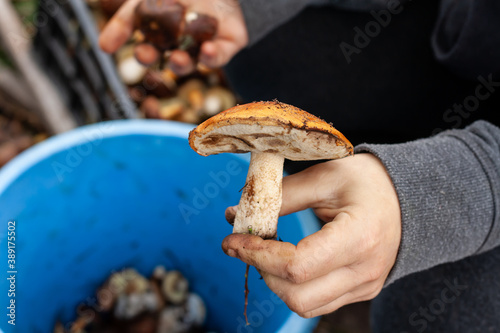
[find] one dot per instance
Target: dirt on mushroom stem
(260, 202)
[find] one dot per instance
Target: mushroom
(160, 22)
(216, 100)
(150, 107)
(135, 282)
(170, 320)
(192, 92)
(167, 108)
(168, 25)
(196, 311)
(154, 83)
(175, 287)
(189, 115)
(197, 29)
(171, 108)
(271, 131)
(159, 272)
(129, 69)
(130, 305)
(124, 282)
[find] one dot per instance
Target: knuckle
(305, 315)
(296, 304)
(373, 292)
(368, 243)
(374, 274)
(296, 272)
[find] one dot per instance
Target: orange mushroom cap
(269, 127)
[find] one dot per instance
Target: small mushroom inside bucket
(122, 194)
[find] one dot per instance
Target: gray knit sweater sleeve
(449, 192)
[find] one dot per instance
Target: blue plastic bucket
(129, 193)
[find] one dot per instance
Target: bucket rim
(85, 134)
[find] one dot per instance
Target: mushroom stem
(260, 202)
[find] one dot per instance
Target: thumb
(299, 191)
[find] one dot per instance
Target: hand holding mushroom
(349, 259)
(230, 37)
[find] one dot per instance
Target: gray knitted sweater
(448, 185)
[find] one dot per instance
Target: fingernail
(231, 253)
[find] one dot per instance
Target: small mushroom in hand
(271, 131)
(160, 22)
(167, 25)
(198, 28)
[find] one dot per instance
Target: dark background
(393, 90)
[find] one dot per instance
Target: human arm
(448, 193)
(349, 258)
